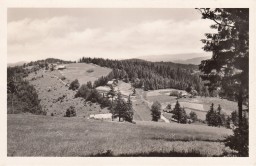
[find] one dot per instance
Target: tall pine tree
(229, 66)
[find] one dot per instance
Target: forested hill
(48, 60)
(171, 64)
(149, 75)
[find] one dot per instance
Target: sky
(115, 33)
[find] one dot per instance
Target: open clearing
(163, 92)
(200, 105)
(84, 72)
(31, 135)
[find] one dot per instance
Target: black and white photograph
(127, 82)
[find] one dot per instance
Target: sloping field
(56, 98)
(84, 72)
(31, 135)
(125, 88)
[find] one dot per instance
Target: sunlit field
(30, 135)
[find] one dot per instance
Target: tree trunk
(12, 105)
(240, 108)
(112, 109)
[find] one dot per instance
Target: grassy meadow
(31, 135)
(84, 72)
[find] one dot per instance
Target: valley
(77, 136)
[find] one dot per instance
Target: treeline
(150, 75)
(21, 96)
(43, 63)
(217, 118)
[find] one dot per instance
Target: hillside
(56, 98)
(78, 136)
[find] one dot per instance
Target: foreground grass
(30, 135)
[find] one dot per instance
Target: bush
(70, 112)
(90, 71)
(74, 85)
(62, 78)
(175, 93)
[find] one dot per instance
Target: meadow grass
(30, 135)
(80, 71)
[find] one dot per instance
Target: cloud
(71, 38)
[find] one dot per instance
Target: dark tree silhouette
(155, 111)
(179, 113)
(228, 68)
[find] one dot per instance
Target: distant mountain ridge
(195, 61)
(16, 64)
(186, 58)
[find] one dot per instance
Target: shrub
(169, 106)
(90, 71)
(62, 78)
(70, 112)
(74, 85)
(175, 93)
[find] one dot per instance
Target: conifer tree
(229, 66)
(155, 111)
(129, 110)
(219, 118)
(211, 116)
(179, 113)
